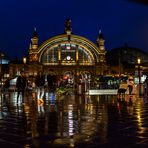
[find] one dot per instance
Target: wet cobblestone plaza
(73, 121)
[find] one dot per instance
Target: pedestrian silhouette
(21, 85)
(130, 84)
(52, 80)
(146, 86)
(40, 82)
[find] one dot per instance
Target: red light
(65, 77)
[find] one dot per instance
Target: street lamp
(139, 75)
(24, 62)
(1, 63)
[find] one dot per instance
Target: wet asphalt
(71, 120)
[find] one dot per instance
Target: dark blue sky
(120, 21)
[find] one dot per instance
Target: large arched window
(68, 54)
(84, 57)
(50, 56)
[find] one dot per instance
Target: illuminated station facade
(67, 56)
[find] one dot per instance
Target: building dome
(126, 54)
(126, 57)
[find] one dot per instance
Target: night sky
(121, 21)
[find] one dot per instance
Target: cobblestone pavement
(73, 121)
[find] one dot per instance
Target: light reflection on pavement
(73, 121)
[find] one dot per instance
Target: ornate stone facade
(68, 52)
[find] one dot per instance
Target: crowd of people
(38, 84)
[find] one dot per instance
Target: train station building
(66, 55)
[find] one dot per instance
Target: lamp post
(1, 82)
(139, 75)
(1, 63)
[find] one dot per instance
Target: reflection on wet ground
(73, 121)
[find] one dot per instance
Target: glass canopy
(67, 54)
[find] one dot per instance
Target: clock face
(68, 57)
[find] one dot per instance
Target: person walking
(130, 84)
(6, 86)
(146, 87)
(122, 89)
(21, 85)
(40, 82)
(52, 82)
